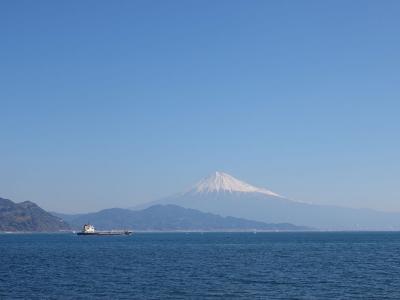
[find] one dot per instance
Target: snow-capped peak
(222, 182)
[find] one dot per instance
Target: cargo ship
(89, 229)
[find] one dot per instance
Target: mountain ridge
(27, 216)
(171, 218)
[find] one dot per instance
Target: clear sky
(112, 103)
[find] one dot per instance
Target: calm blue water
(198, 266)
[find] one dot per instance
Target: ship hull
(106, 233)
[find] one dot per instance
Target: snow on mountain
(222, 182)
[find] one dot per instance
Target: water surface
(200, 266)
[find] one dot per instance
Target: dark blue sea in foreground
(197, 266)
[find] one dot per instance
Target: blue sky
(109, 104)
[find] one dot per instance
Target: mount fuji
(223, 194)
(225, 183)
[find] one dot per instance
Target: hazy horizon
(115, 105)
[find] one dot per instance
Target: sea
(275, 265)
